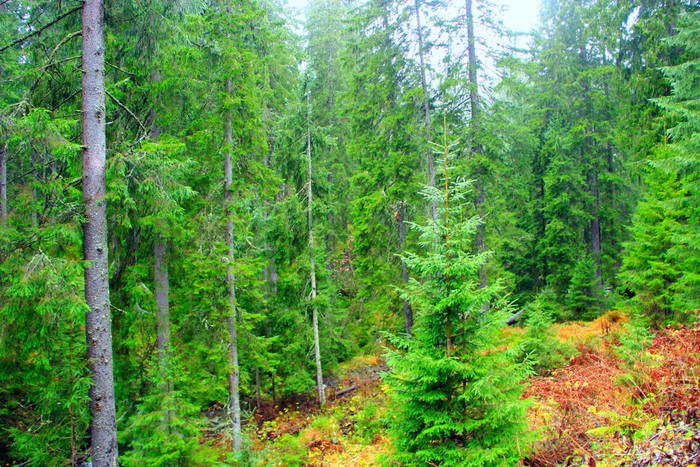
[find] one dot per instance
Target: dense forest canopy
(230, 204)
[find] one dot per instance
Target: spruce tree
(98, 323)
(455, 394)
(382, 122)
(664, 250)
(581, 199)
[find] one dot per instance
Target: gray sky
(521, 15)
(518, 16)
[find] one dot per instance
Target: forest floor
(618, 400)
(622, 400)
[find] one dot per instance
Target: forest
(381, 232)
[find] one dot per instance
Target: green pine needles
(456, 391)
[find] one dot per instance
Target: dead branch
(127, 110)
(42, 29)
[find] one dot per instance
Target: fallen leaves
(599, 408)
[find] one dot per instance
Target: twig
(520, 453)
(577, 444)
(251, 245)
(127, 110)
(119, 69)
(67, 99)
(40, 30)
(65, 41)
(50, 64)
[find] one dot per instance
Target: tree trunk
(426, 110)
(595, 227)
(274, 276)
(258, 393)
(3, 186)
(54, 194)
(481, 231)
(103, 426)
(34, 178)
(274, 391)
(407, 309)
(162, 290)
(317, 344)
(475, 127)
(473, 80)
(160, 274)
(231, 318)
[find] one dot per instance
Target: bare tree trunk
(54, 194)
(407, 309)
(231, 318)
(162, 291)
(34, 178)
(3, 186)
(426, 109)
(595, 228)
(103, 427)
(274, 391)
(258, 393)
(317, 344)
(475, 127)
(473, 80)
(162, 287)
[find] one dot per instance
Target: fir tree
(456, 394)
(663, 260)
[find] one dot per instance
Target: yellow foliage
(580, 332)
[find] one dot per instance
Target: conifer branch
(119, 69)
(42, 29)
(127, 110)
(67, 99)
(50, 64)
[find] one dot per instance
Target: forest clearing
(366, 232)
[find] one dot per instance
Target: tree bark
(160, 274)
(33, 216)
(426, 110)
(472, 69)
(103, 426)
(274, 391)
(231, 318)
(3, 186)
(592, 180)
(595, 228)
(54, 193)
(475, 127)
(162, 292)
(317, 344)
(258, 393)
(407, 309)
(481, 230)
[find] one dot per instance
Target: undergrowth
(351, 430)
(611, 404)
(618, 396)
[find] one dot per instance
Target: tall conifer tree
(98, 325)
